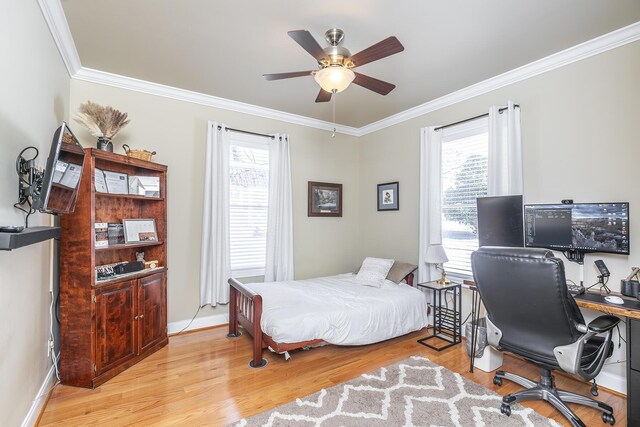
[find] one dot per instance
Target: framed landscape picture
(389, 196)
(324, 199)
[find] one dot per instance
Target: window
(464, 178)
(248, 204)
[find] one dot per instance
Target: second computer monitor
(500, 221)
(583, 227)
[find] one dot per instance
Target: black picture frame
(324, 199)
(389, 196)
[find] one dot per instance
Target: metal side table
(447, 320)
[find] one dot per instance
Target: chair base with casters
(545, 389)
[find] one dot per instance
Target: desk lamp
(437, 255)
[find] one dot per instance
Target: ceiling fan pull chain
(333, 135)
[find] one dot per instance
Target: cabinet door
(152, 310)
(115, 325)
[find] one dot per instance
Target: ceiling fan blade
(280, 76)
(386, 47)
(375, 85)
(308, 43)
(324, 96)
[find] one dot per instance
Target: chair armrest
(603, 323)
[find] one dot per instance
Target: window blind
(464, 178)
(248, 208)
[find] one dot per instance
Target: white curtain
(279, 263)
(505, 152)
(430, 198)
(215, 268)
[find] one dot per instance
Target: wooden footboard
(245, 308)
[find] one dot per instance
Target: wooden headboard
(409, 279)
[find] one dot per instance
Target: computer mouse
(614, 299)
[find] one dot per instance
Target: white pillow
(373, 272)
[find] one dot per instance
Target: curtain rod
(500, 110)
(247, 132)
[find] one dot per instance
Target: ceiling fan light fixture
(334, 78)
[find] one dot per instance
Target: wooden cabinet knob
(135, 318)
(142, 316)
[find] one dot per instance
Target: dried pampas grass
(103, 122)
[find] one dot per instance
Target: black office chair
(531, 314)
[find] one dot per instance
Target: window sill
(254, 272)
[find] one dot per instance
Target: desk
(631, 311)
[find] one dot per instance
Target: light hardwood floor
(202, 378)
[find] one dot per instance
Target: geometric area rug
(413, 392)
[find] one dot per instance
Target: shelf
(129, 276)
(28, 236)
(132, 245)
(122, 159)
(128, 196)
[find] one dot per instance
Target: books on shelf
(101, 235)
(122, 183)
(115, 233)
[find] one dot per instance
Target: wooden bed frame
(245, 308)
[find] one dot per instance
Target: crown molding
(57, 22)
(59, 27)
(568, 56)
(129, 83)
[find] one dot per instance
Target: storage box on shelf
(109, 325)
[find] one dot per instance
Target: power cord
(190, 322)
(49, 390)
(51, 342)
(620, 339)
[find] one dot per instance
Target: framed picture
(388, 196)
(139, 231)
(324, 199)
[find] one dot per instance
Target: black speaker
(630, 288)
(128, 267)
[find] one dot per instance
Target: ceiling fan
(335, 63)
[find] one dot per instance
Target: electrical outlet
(49, 346)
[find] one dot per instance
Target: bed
(336, 310)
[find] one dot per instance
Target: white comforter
(339, 311)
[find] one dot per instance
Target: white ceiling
(222, 48)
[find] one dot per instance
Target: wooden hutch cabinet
(110, 324)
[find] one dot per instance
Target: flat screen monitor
(500, 221)
(581, 227)
(62, 174)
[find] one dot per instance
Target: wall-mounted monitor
(62, 174)
(581, 227)
(500, 221)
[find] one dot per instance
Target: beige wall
(178, 130)
(35, 98)
(580, 129)
(580, 132)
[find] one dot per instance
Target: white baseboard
(612, 382)
(198, 323)
(40, 399)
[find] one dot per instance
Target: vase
(105, 144)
